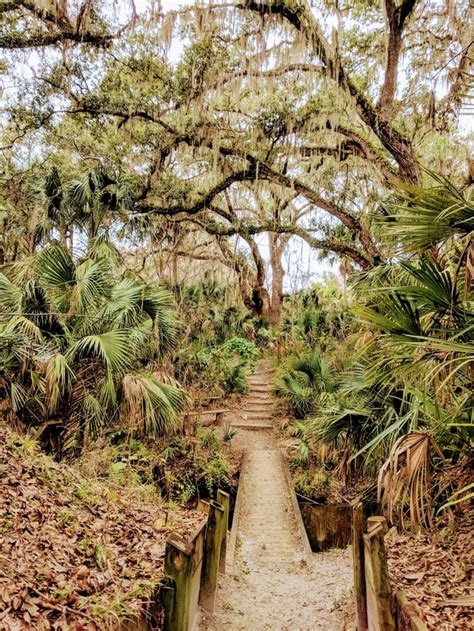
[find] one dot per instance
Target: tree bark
(277, 245)
(395, 17)
(260, 297)
(251, 285)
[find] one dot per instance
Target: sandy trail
(271, 585)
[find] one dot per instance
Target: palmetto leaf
(405, 477)
(25, 326)
(401, 315)
(112, 348)
(158, 305)
(465, 494)
(316, 370)
(10, 295)
(151, 406)
(55, 268)
(92, 286)
(101, 248)
(18, 396)
(300, 397)
(71, 331)
(58, 380)
(420, 217)
(94, 412)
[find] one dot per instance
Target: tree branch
(59, 27)
(256, 170)
(395, 18)
(249, 230)
(303, 20)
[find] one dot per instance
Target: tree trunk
(63, 234)
(260, 297)
(277, 245)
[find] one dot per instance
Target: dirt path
(271, 585)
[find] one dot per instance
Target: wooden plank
(307, 552)
(203, 506)
(232, 543)
(359, 567)
(212, 555)
(204, 412)
(195, 583)
(405, 611)
(380, 615)
(224, 500)
(178, 572)
(183, 566)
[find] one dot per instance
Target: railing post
(358, 565)
(212, 554)
(379, 592)
(178, 571)
(223, 499)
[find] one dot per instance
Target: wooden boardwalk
(270, 584)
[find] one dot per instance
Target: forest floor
(273, 583)
(435, 570)
(76, 553)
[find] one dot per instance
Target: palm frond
(417, 218)
(91, 288)
(152, 407)
(404, 479)
(58, 380)
(10, 295)
(112, 348)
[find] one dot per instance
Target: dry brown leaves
(435, 569)
(74, 556)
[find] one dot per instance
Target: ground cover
(76, 554)
(435, 569)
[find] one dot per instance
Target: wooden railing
(192, 567)
(378, 607)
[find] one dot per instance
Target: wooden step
(251, 425)
(259, 402)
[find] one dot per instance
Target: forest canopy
(284, 118)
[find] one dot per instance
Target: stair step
(258, 406)
(252, 413)
(252, 426)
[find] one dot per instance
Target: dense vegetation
(159, 172)
(387, 384)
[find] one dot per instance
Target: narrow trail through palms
(271, 585)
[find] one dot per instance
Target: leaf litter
(435, 569)
(75, 555)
